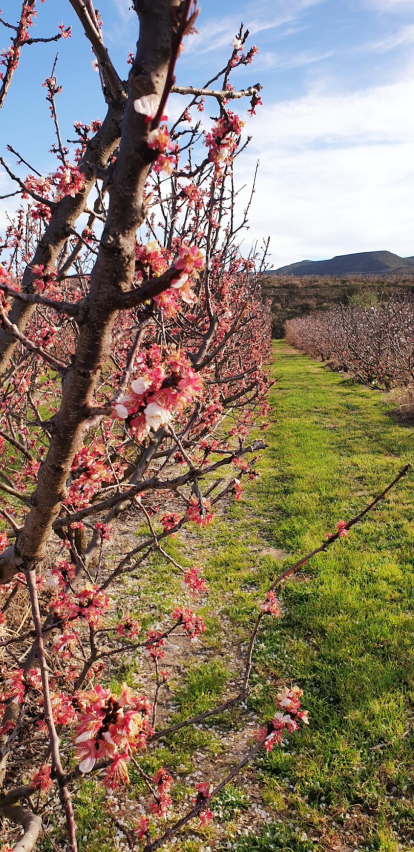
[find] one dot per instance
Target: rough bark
(112, 275)
(30, 822)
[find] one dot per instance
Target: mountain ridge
(359, 263)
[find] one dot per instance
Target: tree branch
(219, 94)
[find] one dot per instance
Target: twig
(53, 737)
(201, 803)
(293, 568)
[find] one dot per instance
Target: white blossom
(121, 410)
(139, 386)
(156, 416)
(147, 105)
(177, 283)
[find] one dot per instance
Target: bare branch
(219, 94)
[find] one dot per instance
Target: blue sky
(335, 136)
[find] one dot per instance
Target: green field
(347, 636)
(347, 782)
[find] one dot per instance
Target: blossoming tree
(132, 344)
(373, 343)
(133, 340)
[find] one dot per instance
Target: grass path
(346, 638)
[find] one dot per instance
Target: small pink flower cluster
(152, 257)
(63, 710)
(193, 194)
(163, 802)
(46, 278)
(192, 623)
(287, 719)
(342, 530)
(160, 140)
(155, 644)
(154, 261)
(111, 727)
(128, 627)
(42, 780)
(65, 642)
(104, 531)
(271, 605)
(61, 574)
(195, 514)
(90, 603)
(203, 795)
(341, 527)
(159, 393)
(223, 139)
(65, 32)
(238, 489)
(170, 520)
(68, 180)
(142, 828)
(89, 471)
(17, 683)
(196, 584)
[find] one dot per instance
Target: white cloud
(405, 35)
(261, 15)
(390, 5)
(268, 60)
(336, 174)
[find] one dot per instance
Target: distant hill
(362, 263)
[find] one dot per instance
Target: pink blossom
(192, 623)
(195, 583)
(117, 774)
(42, 780)
(128, 627)
(142, 828)
(140, 385)
(341, 527)
(206, 816)
(203, 790)
(170, 520)
(160, 140)
(271, 605)
(190, 258)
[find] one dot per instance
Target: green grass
(347, 782)
(346, 638)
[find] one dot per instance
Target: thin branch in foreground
(221, 708)
(293, 568)
(201, 803)
(53, 736)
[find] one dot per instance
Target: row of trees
(373, 343)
